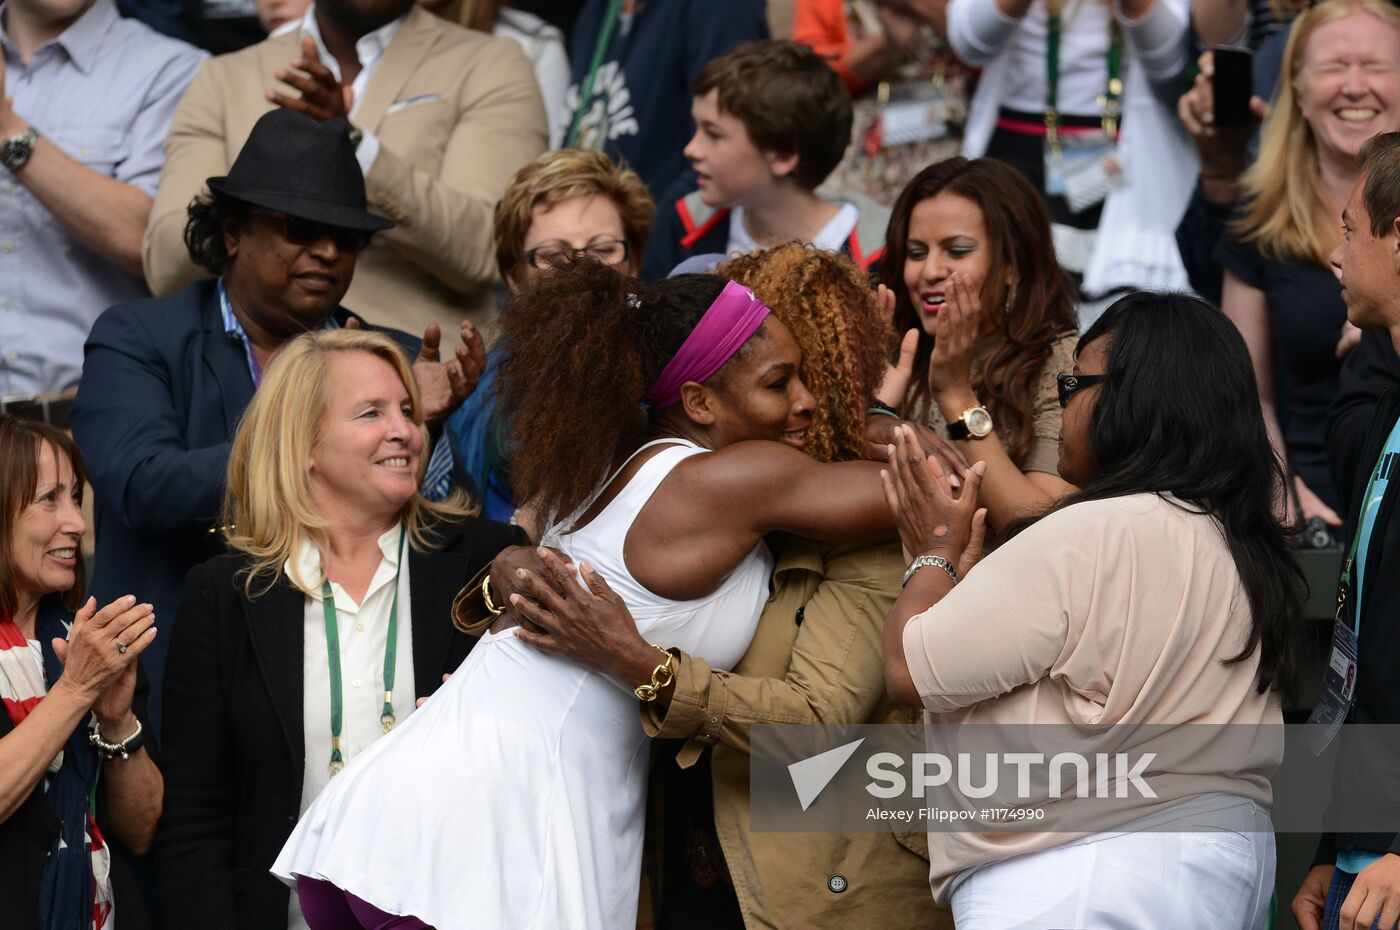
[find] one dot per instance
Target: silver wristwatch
(15, 151)
(930, 561)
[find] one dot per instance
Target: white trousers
(1128, 881)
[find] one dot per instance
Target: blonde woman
(311, 639)
(1340, 86)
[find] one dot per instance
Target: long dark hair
(582, 344)
(1179, 414)
(1029, 320)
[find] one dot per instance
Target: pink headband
(735, 315)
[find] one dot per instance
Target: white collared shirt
(363, 630)
(369, 49)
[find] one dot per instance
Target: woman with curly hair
(971, 266)
(662, 470)
(825, 668)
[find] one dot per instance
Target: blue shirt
(1390, 457)
(104, 92)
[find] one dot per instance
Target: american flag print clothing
(22, 687)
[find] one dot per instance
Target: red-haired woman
(970, 267)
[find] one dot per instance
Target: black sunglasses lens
(351, 240)
(305, 232)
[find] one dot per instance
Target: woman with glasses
(562, 206)
(1153, 611)
(970, 268)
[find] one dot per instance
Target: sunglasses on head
(305, 232)
(1068, 384)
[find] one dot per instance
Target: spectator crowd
(597, 382)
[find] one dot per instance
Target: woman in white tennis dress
(514, 799)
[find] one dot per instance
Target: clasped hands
(97, 668)
(933, 517)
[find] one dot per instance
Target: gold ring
(122, 647)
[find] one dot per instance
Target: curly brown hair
(581, 346)
(826, 302)
(1028, 319)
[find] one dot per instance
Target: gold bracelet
(660, 676)
(486, 597)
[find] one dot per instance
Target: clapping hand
(322, 95)
(955, 331)
(99, 657)
(444, 385)
(932, 518)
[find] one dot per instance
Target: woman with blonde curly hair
(1340, 86)
(815, 658)
(312, 638)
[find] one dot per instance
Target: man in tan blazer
(447, 114)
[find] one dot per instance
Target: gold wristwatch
(975, 423)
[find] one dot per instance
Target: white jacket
(1136, 245)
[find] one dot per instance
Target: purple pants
(327, 907)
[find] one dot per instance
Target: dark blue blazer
(162, 391)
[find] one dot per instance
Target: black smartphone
(1234, 85)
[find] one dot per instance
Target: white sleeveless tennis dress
(515, 798)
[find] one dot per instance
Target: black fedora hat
(295, 165)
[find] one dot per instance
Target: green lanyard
(1344, 585)
(1108, 101)
(391, 648)
(585, 90)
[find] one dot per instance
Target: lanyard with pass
(1339, 676)
(585, 89)
(1082, 167)
(391, 644)
(1110, 108)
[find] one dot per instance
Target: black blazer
(234, 734)
(163, 389)
(1365, 410)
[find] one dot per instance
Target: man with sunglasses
(165, 381)
(442, 117)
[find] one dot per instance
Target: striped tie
(437, 480)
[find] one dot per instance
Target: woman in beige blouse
(989, 318)
(1161, 593)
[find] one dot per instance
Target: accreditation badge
(1083, 168)
(1338, 687)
